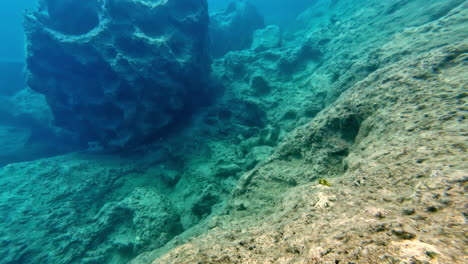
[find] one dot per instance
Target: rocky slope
(393, 147)
(79, 215)
(368, 95)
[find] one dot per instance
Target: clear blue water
(11, 29)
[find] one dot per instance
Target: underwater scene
(233, 131)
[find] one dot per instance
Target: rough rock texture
(370, 95)
(119, 72)
(232, 28)
(394, 149)
(393, 146)
(29, 106)
(266, 38)
(332, 47)
(83, 212)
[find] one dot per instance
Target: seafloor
(368, 95)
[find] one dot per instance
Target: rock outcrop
(119, 72)
(232, 29)
(393, 147)
(266, 38)
(26, 128)
(80, 210)
(369, 96)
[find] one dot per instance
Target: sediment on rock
(340, 141)
(392, 147)
(388, 200)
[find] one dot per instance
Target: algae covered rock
(119, 72)
(71, 209)
(259, 85)
(390, 141)
(377, 114)
(227, 170)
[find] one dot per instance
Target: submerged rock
(394, 72)
(233, 28)
(30, 106)
(71, 209)
(26, 128)
(241, 185)
(119, 72)
(266, 38)
(13, 140)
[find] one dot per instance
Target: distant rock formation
(233, 28)
(26, 130)
(266, 38)
(119, 72)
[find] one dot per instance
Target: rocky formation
(232, 28)
(85, 212)
(23, 116)
(119, 72)
(276, 12)
(26, 130)
(267, 38)
(367, 95)
(393, 147)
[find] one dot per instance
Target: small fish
(324, 182)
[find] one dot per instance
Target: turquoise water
(12, 47)
(302, 131)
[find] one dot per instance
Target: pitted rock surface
(119, 72)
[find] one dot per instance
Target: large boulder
(119, 72)
(232, 29)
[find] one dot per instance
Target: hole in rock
(350, 128)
